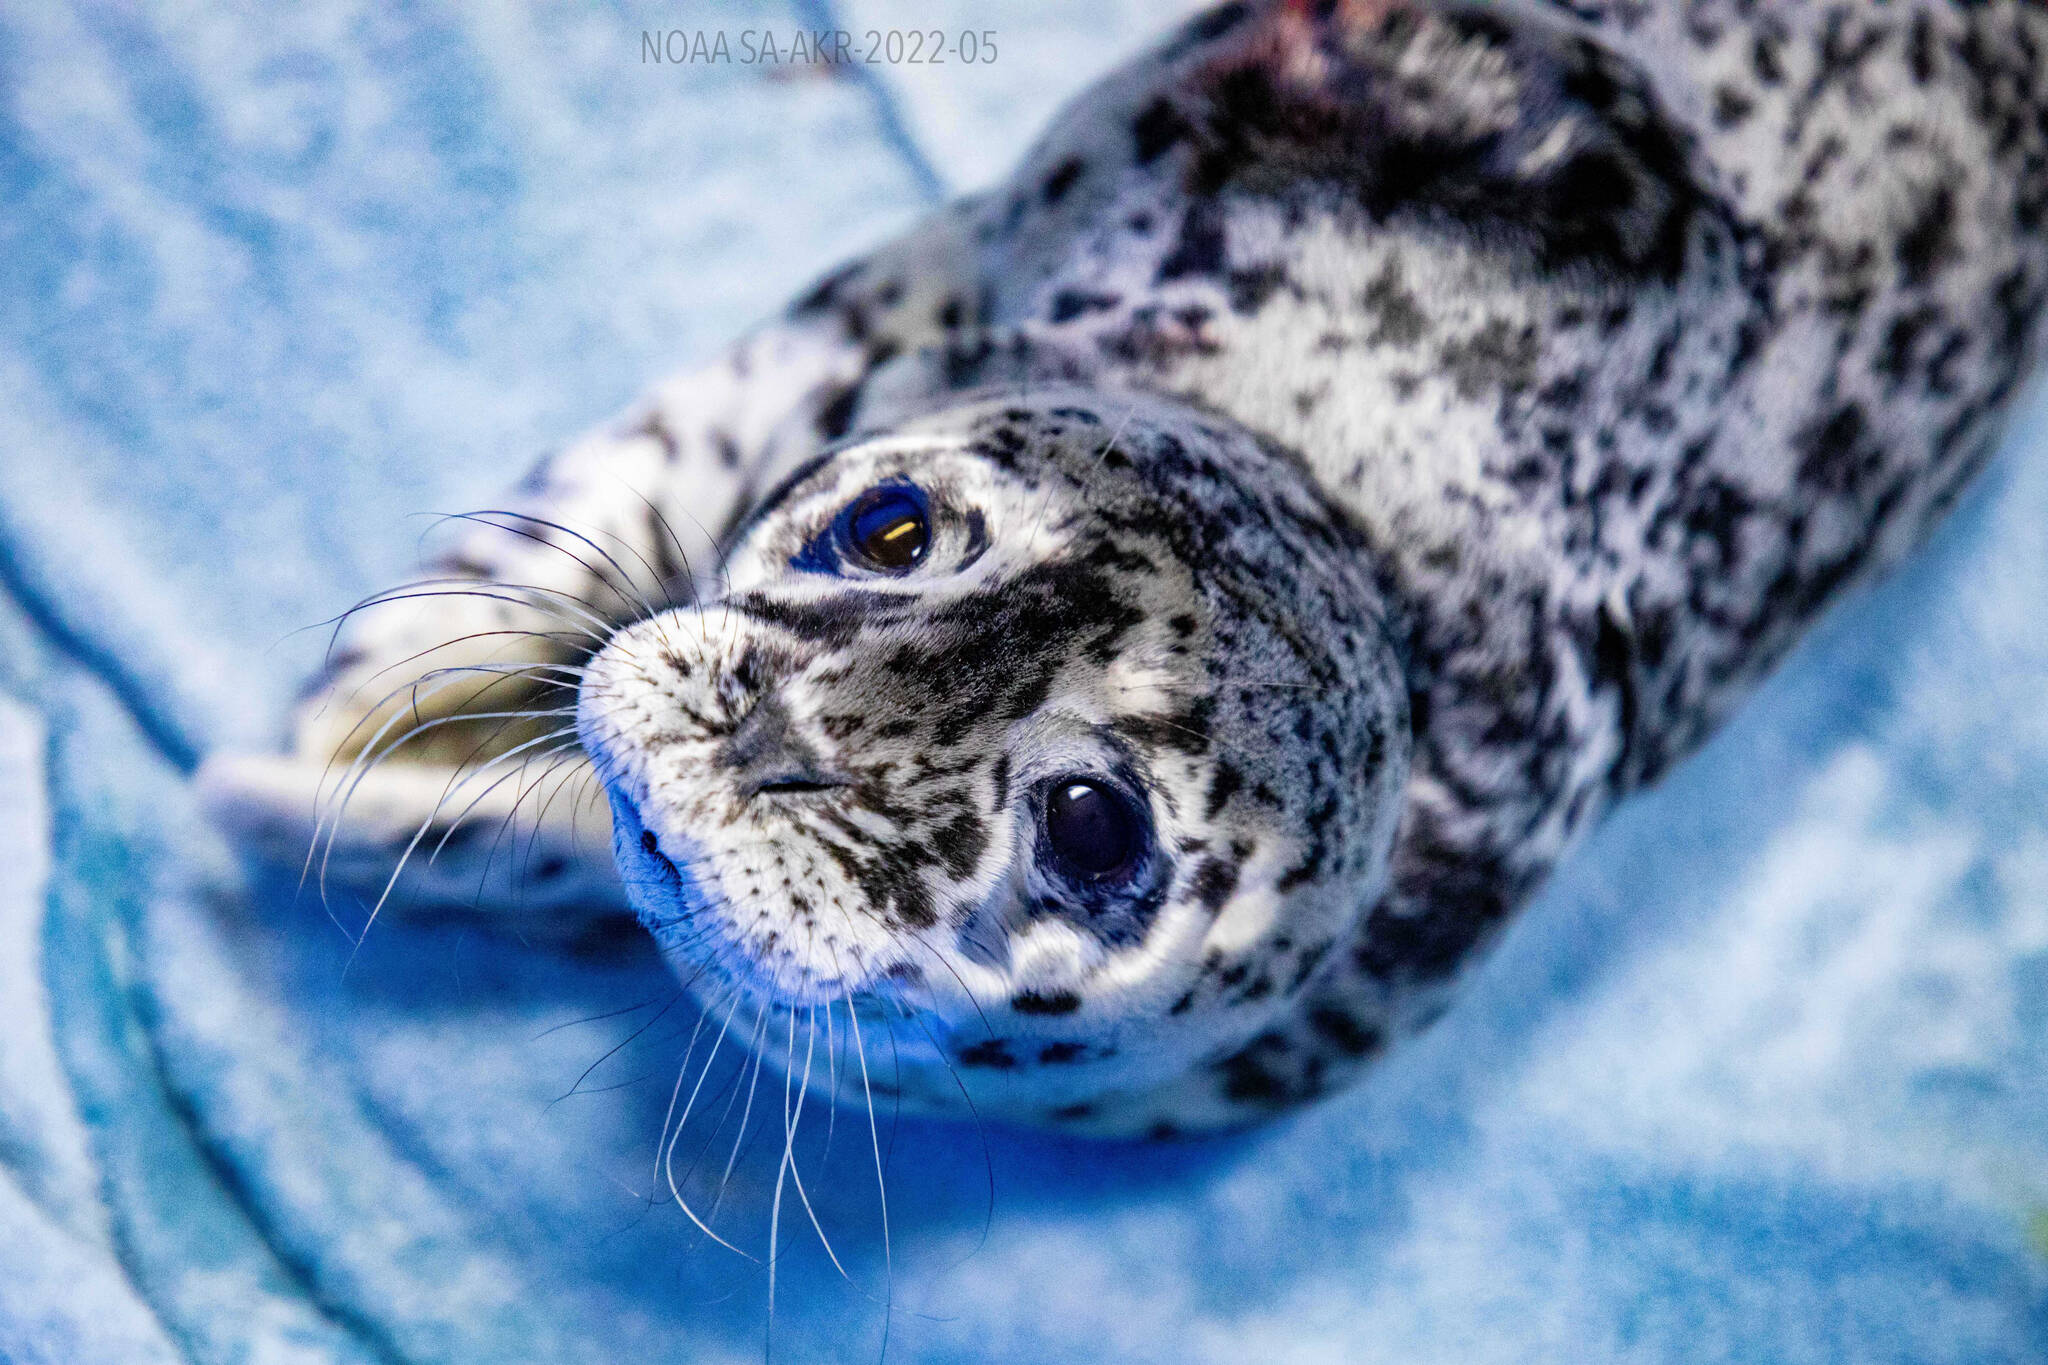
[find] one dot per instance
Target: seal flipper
(1496, 118)
(513, 850)
(1499, 119)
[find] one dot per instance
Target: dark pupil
(888, 529)
(1090, 829)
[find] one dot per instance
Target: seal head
(1037, 720)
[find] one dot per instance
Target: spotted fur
(1384, 433)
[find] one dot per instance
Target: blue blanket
(1762, 1076)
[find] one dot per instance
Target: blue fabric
(1762, 1076)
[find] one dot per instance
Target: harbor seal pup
(1139, 637)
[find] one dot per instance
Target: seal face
(1174, 606)
(1027, 719)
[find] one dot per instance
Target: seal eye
(887, 529)
(1091, 829)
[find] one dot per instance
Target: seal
(1159, 619)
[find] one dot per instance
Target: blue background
(1763, 1075)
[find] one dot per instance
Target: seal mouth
(806, 785)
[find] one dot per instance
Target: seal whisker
(746, 1110)
(732, 1090)
(552, 636)
(559, 739)
(598, 1018)
(623, 587)
(666, 542)
(369, 753)
(667, 1163)
(568, 767)
(988, 1158)
(404, 859)
(664, 1146)
(563, 761)
(470, 768)
(370, 756)
(612, 1051)
(796, 1168)
(555, 602)
(881, 1181)
(648, 610)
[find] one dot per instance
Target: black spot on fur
(1245, 1080)
(1250, 288)
(1732, 107)
(994, 1054)
(1069, 304)
(836, 414)
(1157, 128)
(1058, 1002)
(1225, 784)
(1200, 248)
(1208, 27)
(1399, 316)
(1213, 882)
(1060, 180)
(1346, 1034)
(1929, 240)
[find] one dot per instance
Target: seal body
(1480, 398)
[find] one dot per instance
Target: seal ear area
(1498, 118)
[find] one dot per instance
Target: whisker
(665, 1162)
(881, 1181)
(377, 758)
(988, 1159)
(591, 1019)
(781, 1173)
(832, 1081)
(592, 571)
(625, 578)
(661, 578)
(647, 609)
(446, 585)
(570, 764)
(746, 1110)
(370, 754)
(614, 1050)
(486, 590)
(560, 760)
(803, 1196)
(366, 761)
(917, 936)
(559, 738)
(550, 665)
(665, 1148)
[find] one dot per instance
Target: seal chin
(675, 891)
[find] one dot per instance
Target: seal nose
(765, 754)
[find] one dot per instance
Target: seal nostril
(649, 842)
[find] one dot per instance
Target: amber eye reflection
(888, 529)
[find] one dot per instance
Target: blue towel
(1761, 1076)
